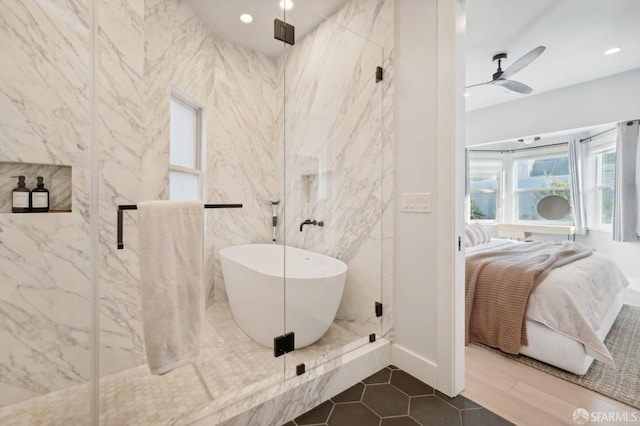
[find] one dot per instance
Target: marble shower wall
(338, 164)
(146, 47)
(44, 262)
(237, 87)
(120, 133)
(157, 46)
(241, 153)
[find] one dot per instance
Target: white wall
(425, 260)
(605, 100)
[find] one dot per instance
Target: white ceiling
(223, 17)
(575, 33)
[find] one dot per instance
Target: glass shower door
(335, 185)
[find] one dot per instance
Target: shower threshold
(230, 367)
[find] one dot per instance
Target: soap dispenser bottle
(40, 197)
(21, 197)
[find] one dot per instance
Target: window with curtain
(185, 147)
(484, 185)
(537, 177)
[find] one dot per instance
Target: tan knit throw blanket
(498, 285)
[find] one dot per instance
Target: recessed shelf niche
(57, 179)
(316, 187)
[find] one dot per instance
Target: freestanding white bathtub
(268, 301)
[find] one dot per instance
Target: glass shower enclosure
(298, 132)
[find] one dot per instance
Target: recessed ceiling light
(246, 18)
(466, 94)
(612, 50)
(286, 4)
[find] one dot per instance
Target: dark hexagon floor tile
(409, 384)
(353, 414)
(354, 393)
(381, 376)
(459, 401)
(316, 415)
(393, 367)
(482, 417)
(399, 421)
(430, 410)
(385, 400)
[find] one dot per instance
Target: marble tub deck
(231, 365)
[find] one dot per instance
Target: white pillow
(470, 238)
(475, 234)
(482, 236)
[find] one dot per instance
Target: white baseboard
(419, 367)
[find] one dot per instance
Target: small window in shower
(185, 148)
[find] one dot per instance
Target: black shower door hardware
(123, 207)
(379, 74)
(284, 32)
(284, 344)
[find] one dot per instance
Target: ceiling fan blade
(522, 62)
(514, 86)
(479, 84)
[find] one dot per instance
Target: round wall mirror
(553, 207)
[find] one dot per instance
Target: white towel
(171, 251)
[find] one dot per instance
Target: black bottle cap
(40, 180)
(20, 179)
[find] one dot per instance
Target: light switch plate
(416, 202)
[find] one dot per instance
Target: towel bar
(123, 207)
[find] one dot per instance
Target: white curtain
(626, 215)
(576, 162)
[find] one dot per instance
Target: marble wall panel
(147, 49)
(338, 158)
(57, 179)
(237, 88)
(120, 133)
(44, 263)
(336, 136)
(241, 153)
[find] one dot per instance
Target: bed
(566, 316)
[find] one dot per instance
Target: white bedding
(573, 299)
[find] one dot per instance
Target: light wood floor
(526, 396)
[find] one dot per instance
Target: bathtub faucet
(311, 222)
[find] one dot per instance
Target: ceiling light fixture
(466, 94)
(612, 50)
(529, 141)
(246, 18)
(286, 4)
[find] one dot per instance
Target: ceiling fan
(501, 78)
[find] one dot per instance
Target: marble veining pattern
(120, 132)
(57, 179)
(241, 153)
(336, 133)
(337, 128)
(44, 119)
